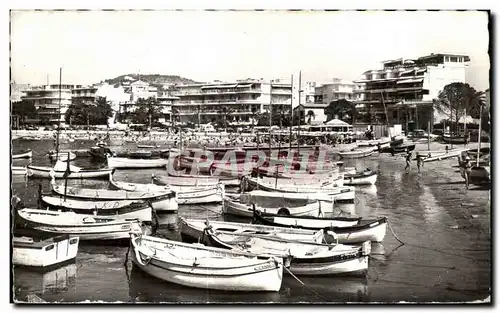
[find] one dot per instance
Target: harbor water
(446, 255)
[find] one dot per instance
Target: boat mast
(291, 117)
(429, 136)
(59, 116)
(479, 135)
(270, 115)
(300, 117)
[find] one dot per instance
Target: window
(453, 59)
(383, 76)
(394, 114)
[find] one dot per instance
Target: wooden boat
(60, 167)
(185, 194)
(233, 206)
(267, 198)
(117, 162)
(348, 230)
(18, 170)
(459, 140)
(63, 156)
(184, 181)
(193, 229)
(162, 201)
(86, 227)
(307, 258)
(396, 142)
(44, 253)
(356, 153)
(399, 149)
(198, 266)
(311, 181)
(373, 143)
(441, 155)
(104, 209)
(28, 154)
(345, 193)
(143, 146)
(480, 175)
(367, 177)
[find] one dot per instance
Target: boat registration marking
(263, 267)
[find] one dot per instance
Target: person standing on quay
(468, 171)
(408, 159)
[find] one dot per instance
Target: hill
(153, 79)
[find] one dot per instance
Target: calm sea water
(446, 256)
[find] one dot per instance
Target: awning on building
(406, 71)
(219, 86)
(407, 81)
(243, 85)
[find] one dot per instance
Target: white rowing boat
(46, 253)
(345, 193)
(307, 258)
(104, 209)
(356, 153)
(367, 177)
(28, 154)
(193, 229)
(184, 194)
(18, 170)
(234, 206)
(63, 156)
(347, 230)
(162, 201)
(118, 162)
(198, 266)
(86, 227)
(60, 168)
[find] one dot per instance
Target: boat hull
(44, 172)
(245, 210)
(356, 266)
(356, 154)
(260, 275)
(45, 254)
(23, 155)
(19, 170)
(361, 179)
(116, 162)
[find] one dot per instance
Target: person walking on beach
(468, 171)
(408, 159)
(420, 162)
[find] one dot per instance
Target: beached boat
(431, 156)
(307, 258)
(86, 227)
(100, 152)
(198, 266)
(234, 206)
(123, 208)
(356, 153)
(480, 175)
(348, 230)
(18, 170)
(162, 201)
(345, 193)
(23, 154)
(60, 168)
(311, 182)
(45, 253)
(184, 181)
(367, 177)
(194, 230)
(64, 155)
(117, 162)
(185, 194)
(383, 142)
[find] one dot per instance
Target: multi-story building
(51, 101)
(84, 94)
(240, 102)
(402, 91)
(334, 90)
(165, 100)
(309, 90)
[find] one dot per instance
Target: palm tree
(310, 115)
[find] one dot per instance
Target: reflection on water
(57, 281)
(420, 208)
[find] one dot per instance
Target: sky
(92, 46)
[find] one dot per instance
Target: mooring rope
(302, 283)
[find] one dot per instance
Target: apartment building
(240, 102)
(404, 88)
(51, 101)
(334, 90)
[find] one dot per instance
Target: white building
(407, 87)
(51, 101)
(334, 90)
